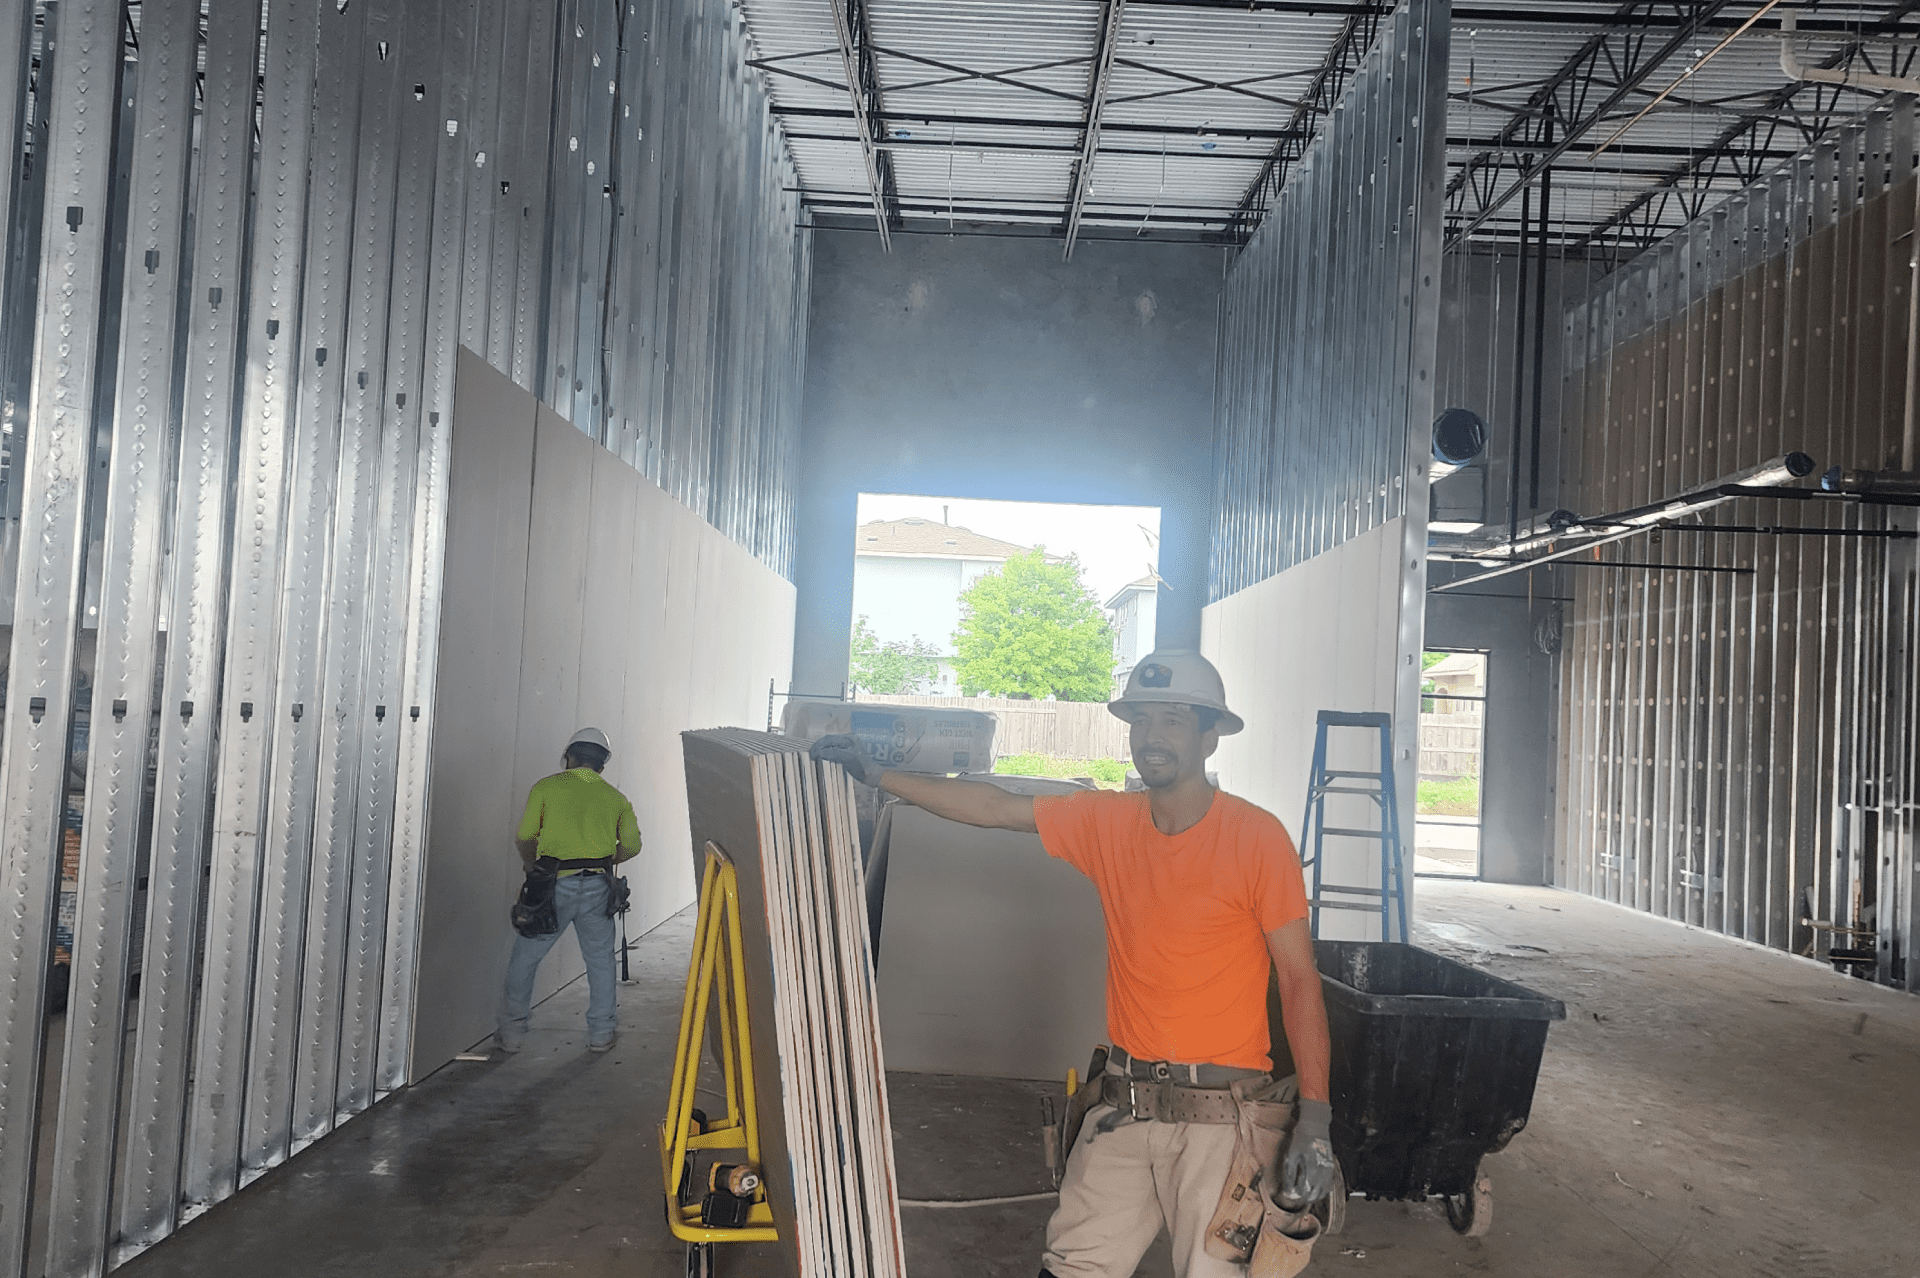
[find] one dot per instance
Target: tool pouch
(1247, 1227)
(619, 895)
(1067, 1131)
(534, 912)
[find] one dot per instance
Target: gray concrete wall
(988, 368)
(1517, 769)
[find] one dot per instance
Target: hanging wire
(950, 138)
(1155, 203)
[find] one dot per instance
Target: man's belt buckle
(1141, 1098)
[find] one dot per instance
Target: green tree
(1033, 629)
(896, 668)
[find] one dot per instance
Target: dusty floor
(1706, 1109)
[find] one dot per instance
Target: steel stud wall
(244, 243)
(1327, 343)
(1737, 746)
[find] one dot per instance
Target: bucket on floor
(1434, 1065)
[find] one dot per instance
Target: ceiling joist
(1080, 182)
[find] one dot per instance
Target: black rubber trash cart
(1434, 1065)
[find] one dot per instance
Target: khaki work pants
(1121, 1186)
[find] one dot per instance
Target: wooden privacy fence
(1062, 729)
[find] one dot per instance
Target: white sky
(1112, 549)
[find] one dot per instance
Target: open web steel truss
(1181, 118)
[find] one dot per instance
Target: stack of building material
(819, 1082)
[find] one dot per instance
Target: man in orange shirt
(1201, 892)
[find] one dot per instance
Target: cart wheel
(1332, 1210)
(699, 1260)
(1471, 1213)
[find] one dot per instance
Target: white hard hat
(1182, 676)
(590, 736)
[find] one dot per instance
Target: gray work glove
(1306, 1169)
(847, 752)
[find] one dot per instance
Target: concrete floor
(1706, 1109)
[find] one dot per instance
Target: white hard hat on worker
(589, 736)
(1180, 676)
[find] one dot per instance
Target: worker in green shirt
(585, 827)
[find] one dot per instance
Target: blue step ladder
(1314, 829)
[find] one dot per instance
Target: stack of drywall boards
(790, 827)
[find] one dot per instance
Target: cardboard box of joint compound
(911, 738)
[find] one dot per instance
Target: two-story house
(907, 579)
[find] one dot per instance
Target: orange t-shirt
(1187, 918)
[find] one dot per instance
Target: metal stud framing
(136, 494)
(217, 714)
(1737, 749)
(85, 81)
(1313, 449)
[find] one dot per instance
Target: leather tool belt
(1123, 1062)
(1164, 1102)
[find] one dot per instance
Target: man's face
(1168, 745)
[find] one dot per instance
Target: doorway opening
(1036, 611)
(1453, 724)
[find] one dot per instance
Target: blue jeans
(579, 899)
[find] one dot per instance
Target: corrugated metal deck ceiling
(979, 109)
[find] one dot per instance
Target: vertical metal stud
(381, 645)
(344, 729)
(283, 595)
(83, 1162)
(84, 82)
(452, 307)
(197, 632)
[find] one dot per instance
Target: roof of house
(928, 538)
(1148, 582)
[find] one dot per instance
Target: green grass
(1110, 773)
(1449, 798)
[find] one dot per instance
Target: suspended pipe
(1762, 480)
(1794, 69)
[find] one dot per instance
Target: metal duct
(1794, 69)
(1586, 534)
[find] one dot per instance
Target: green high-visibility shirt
(577, 815)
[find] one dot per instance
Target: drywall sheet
(1330, 633)
(790, 829)
(993, 955)
(471, 867)
(577, 592)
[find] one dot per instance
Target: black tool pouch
(1061, 1137)
(619, 895)
(534, 913)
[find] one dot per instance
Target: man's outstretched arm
(968, 802)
